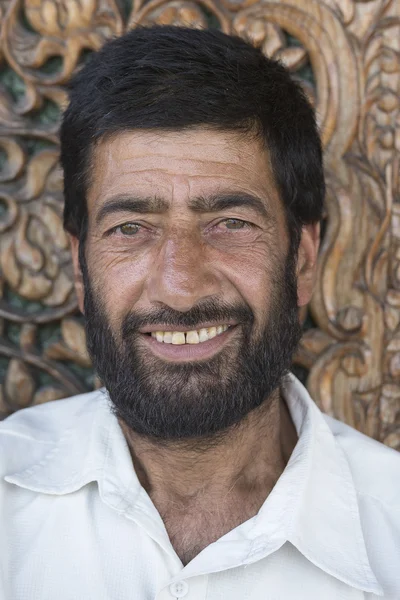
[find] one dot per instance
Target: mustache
(208, 310)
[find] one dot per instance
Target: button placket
(179, 589)
(189, 588)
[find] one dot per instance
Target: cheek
(252, 276)
(118, 280)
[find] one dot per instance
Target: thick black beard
(194, 400)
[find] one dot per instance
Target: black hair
(174, 78)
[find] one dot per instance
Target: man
(202, 470)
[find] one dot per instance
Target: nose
(182, 273)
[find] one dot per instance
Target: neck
(249, 457)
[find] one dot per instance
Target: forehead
(179, 165)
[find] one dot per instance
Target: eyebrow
(122, 203)
(219, 202)
(202, 204)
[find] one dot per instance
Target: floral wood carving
(347, 55)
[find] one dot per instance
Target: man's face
(191, 296)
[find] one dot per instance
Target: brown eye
(129, 228)
(235, 224)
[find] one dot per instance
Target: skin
(178, 258)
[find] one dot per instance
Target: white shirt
(77, 525)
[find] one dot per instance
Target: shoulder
(375, 467)
(28, 434)
(375, 471)
(45, 421)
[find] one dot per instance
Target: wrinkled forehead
(177, 166)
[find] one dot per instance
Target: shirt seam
(32, 469)
(26, 437)
(47, 488)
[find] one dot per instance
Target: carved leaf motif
(9, 118)
(59, 351)
(61, 29)
(316, 341)
(15, 160)
(34, 286)
(27, 254)
(350, 318)
(293, 58)
(392, 440)
(58, 18)
(49, 393)
(27, 336)
(10, 212)
(313, 343)
(10, 268)
(393, 298)
(73, 345)
(178, 13)
(37, 172)
(54, 226)
(74, 336)
(391, 391)
(345, 8)
(392, 317)
(62, 287)
(262, 33)
(395, 367)
(394, 344)
(19, 383)
(272, 40)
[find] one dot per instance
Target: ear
(307, 262)
(78, 279)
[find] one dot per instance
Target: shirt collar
(317, 490)
(76, 451)
(314, 503)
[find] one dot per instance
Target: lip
(188, 352)
(153, 328)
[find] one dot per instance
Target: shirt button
(179, 589)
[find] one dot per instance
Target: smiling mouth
(187, 346)
(195, 336)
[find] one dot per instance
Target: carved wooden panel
(347, 54)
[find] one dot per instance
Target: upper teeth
(188, 337)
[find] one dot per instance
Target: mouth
(195, 344)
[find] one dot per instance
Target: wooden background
(347, 54)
